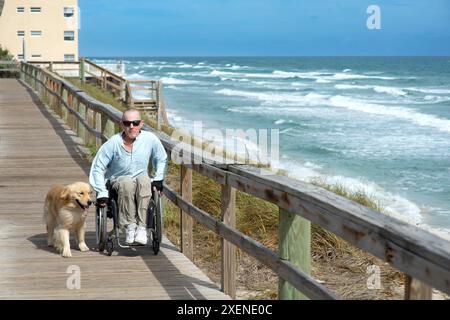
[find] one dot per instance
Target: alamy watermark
(74, 280)
(374, 279)
(226, 146)
(374, 20)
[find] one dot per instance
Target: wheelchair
(105, 240)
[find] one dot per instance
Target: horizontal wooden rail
(54, 62)
(73, 90)
(9, 66)
(9, 62)
(421, 255)
(123, 89)
(301, 281)
(106, 71)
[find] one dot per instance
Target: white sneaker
(141, 235)
(131, 233)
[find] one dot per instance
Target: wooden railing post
(55, 100)
(75, 107)
(108, 127)
(416, 290)
(123, 91)
(187, 222)
(103, 80)
(72, 101)
(90, 139)
(39, 86)
(82, 69)
(228, 209)
(81, 129)
(65, 97)
(35, 73)
(295, 246)
(98, 128)
(158, 104)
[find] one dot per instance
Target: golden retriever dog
(65, 210)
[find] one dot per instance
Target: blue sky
(120, 28)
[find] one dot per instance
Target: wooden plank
(294, 234)
(82, 71)
(158, 100)
(141, 81)
(228, 213)
(98, 128)
(81, 127)
(90, 138)
(186, 223)
(416, 290)
(31, 270)
(141, 88)
(64, 99)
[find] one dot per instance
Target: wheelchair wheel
(100, 228)
(157, 233)
(113, 211)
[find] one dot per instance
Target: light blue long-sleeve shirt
(113, 160)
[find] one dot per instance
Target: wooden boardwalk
(36, 152)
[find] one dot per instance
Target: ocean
(376, 124)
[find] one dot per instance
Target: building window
(69, 12)
(36, 56)
(69, 35)
(35, 9)
(36, 33)
(20, 56)
(69, 57)
(20, 9)
(21, 33)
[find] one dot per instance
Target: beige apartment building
(40, 30)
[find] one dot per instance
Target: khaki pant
(133, 199)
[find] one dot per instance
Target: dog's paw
(83, 247)
(49, 244)
(66, 253)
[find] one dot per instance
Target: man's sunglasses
(134, 122)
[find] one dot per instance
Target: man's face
(132, 124)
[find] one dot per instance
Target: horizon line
(270, 56)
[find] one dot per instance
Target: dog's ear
(65, 194)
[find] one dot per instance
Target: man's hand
(157, 186)
(101, 202)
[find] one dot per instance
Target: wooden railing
(151, 90)
(422, 256)
(63, 68)
(106, 79)
(9, 69)
(144, 95)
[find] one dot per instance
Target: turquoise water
(377, 124)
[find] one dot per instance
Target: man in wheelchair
(123, 162)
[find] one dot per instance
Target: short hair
(131, 110)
